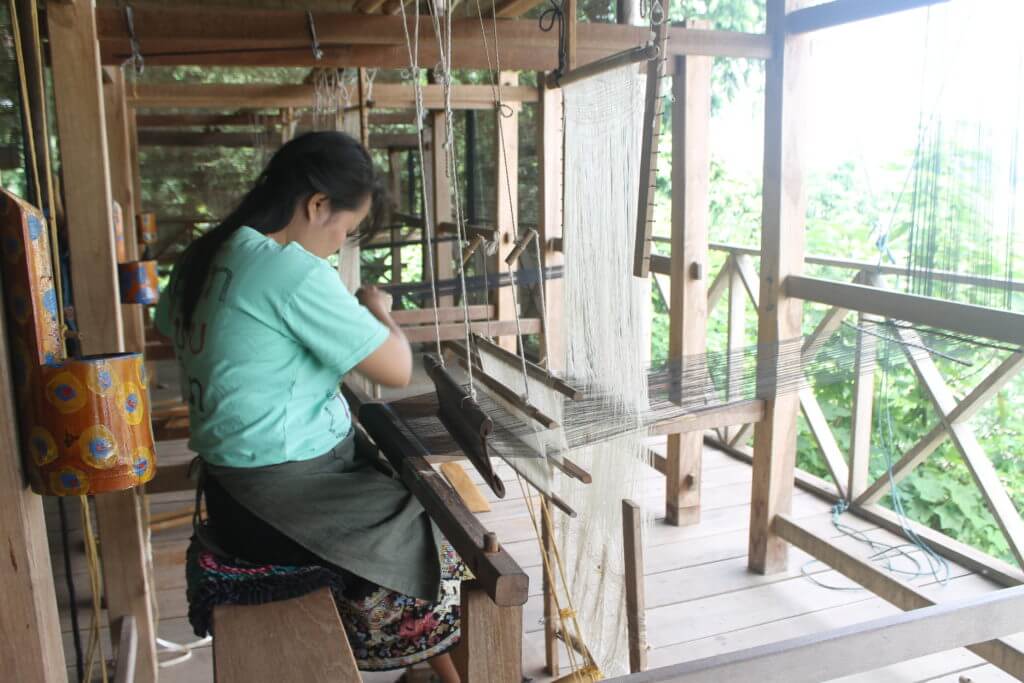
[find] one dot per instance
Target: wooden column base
(491, 648)
(682, 478)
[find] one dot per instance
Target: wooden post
(122, 185)
(632, 543)
(395, 176)
(863, 400)
(29, 623)
(441, 202)
(736, 337)
(782, 240)
(491, 648)
(86, 172)
(549, 153)
(506, 142)
(691, 118)
(551, 619)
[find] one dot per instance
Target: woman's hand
(391, 364)
(376, 301)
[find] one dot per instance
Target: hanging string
(136, 59)
(554, 15)
(412, 45)
(318, 54)
(33, 140)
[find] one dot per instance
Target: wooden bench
(301, 639)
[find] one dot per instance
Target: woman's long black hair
(328, 162)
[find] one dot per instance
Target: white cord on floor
(185, 650)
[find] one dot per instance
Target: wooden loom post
(83, 145)
(549, 152)
(782, 247)
(441, 203)
(863, 401)
(395, 177)
(506, 142)
(632, 543)
(691, 118)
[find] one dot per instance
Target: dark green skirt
(344, 508)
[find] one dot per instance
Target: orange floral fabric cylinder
(147, 227)
(119, 244)
(138, 282)
(87, 427)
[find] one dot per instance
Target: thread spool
(138, 281)
(146, 225)
(520, 247)
(471, 249)
(86, 427)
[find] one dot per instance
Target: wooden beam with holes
(691, 119)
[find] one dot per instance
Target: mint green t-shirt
(273, 334)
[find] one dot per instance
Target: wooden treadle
(464, 486)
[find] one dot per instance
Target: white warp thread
(604, 309)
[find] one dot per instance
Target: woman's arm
(391, 363)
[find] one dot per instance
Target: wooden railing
(738, 282)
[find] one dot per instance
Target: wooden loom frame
(99, 107)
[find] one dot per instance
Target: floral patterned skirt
(386, 629)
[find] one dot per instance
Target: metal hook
(318, 54)
(138, 63)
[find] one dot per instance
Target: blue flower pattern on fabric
(50, 302)
(35, 227)
(101, 448)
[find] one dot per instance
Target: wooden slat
(127, 652)
(736, 333)
(548, 561)
(505, 9)
(632, 543)
(964, 410)
(888, 587)
(464, 486)
(740, 412)
(861, 425)
(263, 95)
(883, 268)
(454, 331)
(880, 642)
(691, 118)
(301, 639)
(423, 316)
(840, 12)
(945, 315)
(782, 237)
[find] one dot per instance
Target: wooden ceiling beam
(261, 96)
(281, 37)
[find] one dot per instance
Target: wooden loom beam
(498, 574)
(78, 85)
(283, 96)
(691, 116)
(506, 205)
(885, 585)
(841, 12)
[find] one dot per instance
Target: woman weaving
(264, 331)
